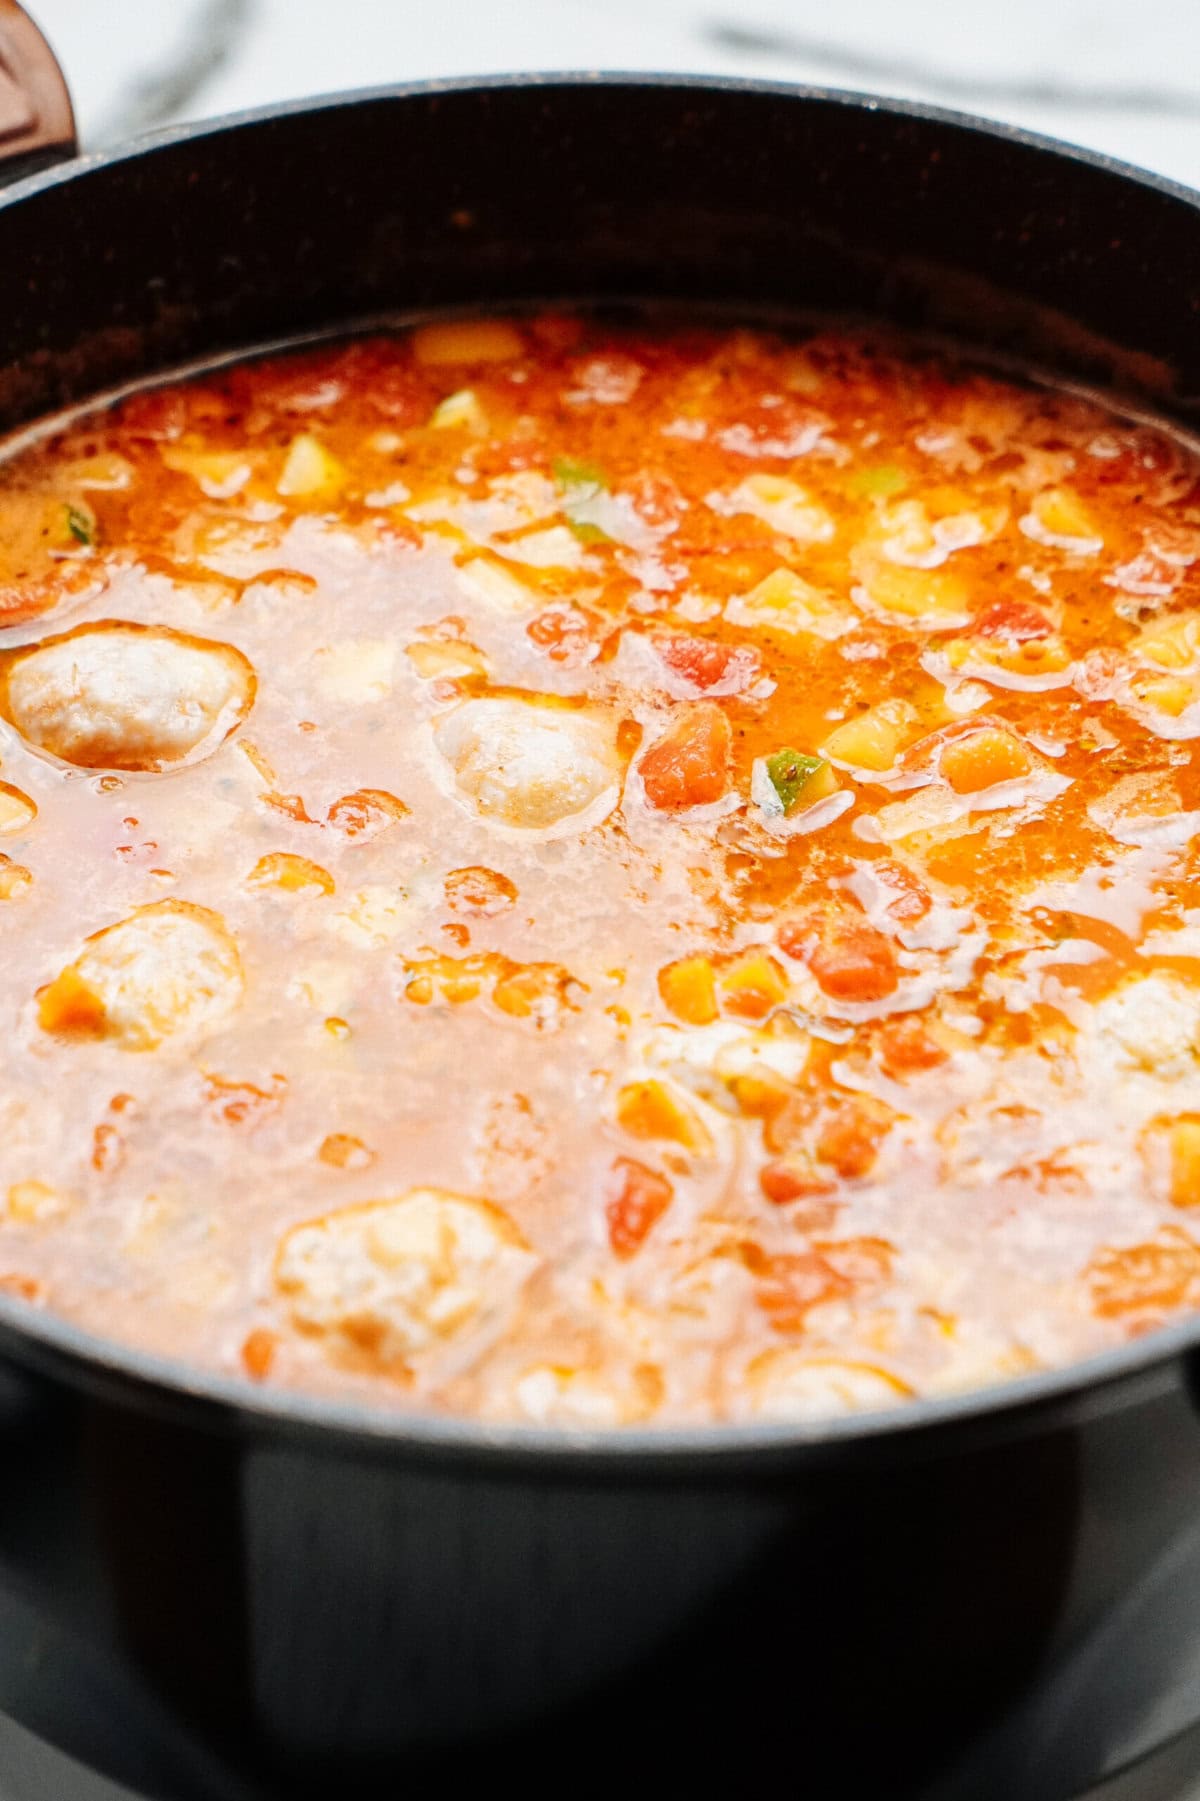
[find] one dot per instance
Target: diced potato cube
(1062, 514)
(784, 601)
(783, 505)
(650, 1110)
(218, 473)
(689, 989)
(874, 739)
(310, 470)
(466, 341)
(1171, 643)
(752, 985)
(933, 594)
(1169, 694)
(984, 758)
(460, 411)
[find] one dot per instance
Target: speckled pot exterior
(212, 1591)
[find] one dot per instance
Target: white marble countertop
(1076, 69)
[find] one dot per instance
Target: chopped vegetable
(799, 779)
(884, 479)
(81, 525)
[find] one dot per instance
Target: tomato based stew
(594, 871)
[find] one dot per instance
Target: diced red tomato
(913, 900)
(1016, 621)
(791, 1286)
(565, 634)
(689, 766)
(706, 664)
(905, 1047)
(850, 958)
(850, 1138)
(639, 1202)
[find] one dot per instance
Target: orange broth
(594, 871)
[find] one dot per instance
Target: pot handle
(37, 123)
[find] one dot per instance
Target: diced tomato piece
(851, 958)
(850, 1138)
(688, 767)
(1016, 621)
(656, 498)
(905, 1047)
(791, 1286)
(642, 1198)
(704, 663)
(564, 633)
(913, 900)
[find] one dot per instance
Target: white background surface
(1118, 76)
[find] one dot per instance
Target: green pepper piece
(791, 771)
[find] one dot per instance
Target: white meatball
(168, 968)
(396, 1278)
(1152, 1023)
(127, 696)
(528, 765)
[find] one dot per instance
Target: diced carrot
(649, 1110)
(258, 1352)
(760, 1096)
(688, 767)
(70, 1005)
(642, 1198)
(689, 989)
(792, 1178)
(752, 985)
(1152, 1277)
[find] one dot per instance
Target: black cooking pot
(214, 1590)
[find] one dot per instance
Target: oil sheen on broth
(596, 873)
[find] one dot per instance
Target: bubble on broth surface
(114, 696)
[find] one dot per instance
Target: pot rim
(1107, 1381)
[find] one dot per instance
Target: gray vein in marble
(210, 42)
(893, 72)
